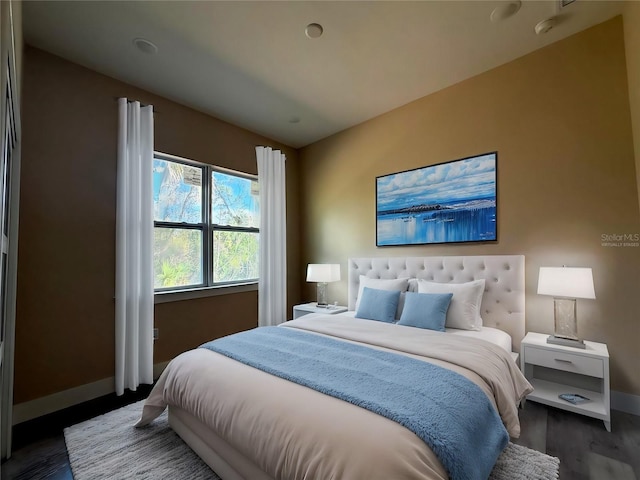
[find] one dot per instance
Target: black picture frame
(449, 202)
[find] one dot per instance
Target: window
(206, 225)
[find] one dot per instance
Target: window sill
(165, 297)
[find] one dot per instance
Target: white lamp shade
(323, 272)
(570, 282)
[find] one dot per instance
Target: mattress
(289, 431)
(488, 334)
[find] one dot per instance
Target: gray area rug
(108, 447)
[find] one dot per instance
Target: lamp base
(322, 295)
(567, 342)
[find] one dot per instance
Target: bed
(246, 423)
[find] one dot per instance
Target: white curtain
(272, 287)
(134, 247)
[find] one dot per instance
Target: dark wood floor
(586, 450)
(39, 451)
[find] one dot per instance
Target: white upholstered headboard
(503, 300)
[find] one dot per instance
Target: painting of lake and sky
(449, 202)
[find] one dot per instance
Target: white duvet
(292, 432)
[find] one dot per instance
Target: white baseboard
(25, 411)
(625, 402)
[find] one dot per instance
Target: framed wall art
(445, 203)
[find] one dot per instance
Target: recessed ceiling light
(505, 10)
(313, 30)
(145, 46)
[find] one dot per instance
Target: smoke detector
(545, 25)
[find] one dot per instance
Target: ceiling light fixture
(505, 10)
(145, 46)
(313, 30)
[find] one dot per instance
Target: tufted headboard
(503, 300)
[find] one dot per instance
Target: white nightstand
(555, 369)
(306, 308)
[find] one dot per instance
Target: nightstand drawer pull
(563, 360)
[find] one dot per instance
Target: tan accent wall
(66, 277)
(560, 121)
(631, 16)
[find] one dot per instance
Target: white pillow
(399, 284)
(464, 309)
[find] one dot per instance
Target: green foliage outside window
(177, 257)
(235, 256)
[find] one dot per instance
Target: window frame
(207, 286)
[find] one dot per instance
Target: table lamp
(323, 273)
(566, 284)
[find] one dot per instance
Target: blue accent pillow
(378, 305)
(426, 310)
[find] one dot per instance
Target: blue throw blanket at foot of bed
(446, 410)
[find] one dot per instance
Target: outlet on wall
(156, 333)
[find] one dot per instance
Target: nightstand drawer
(566, 361)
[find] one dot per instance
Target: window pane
(177, 192)
(233, 201)
(235, 256)
(177, 257)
